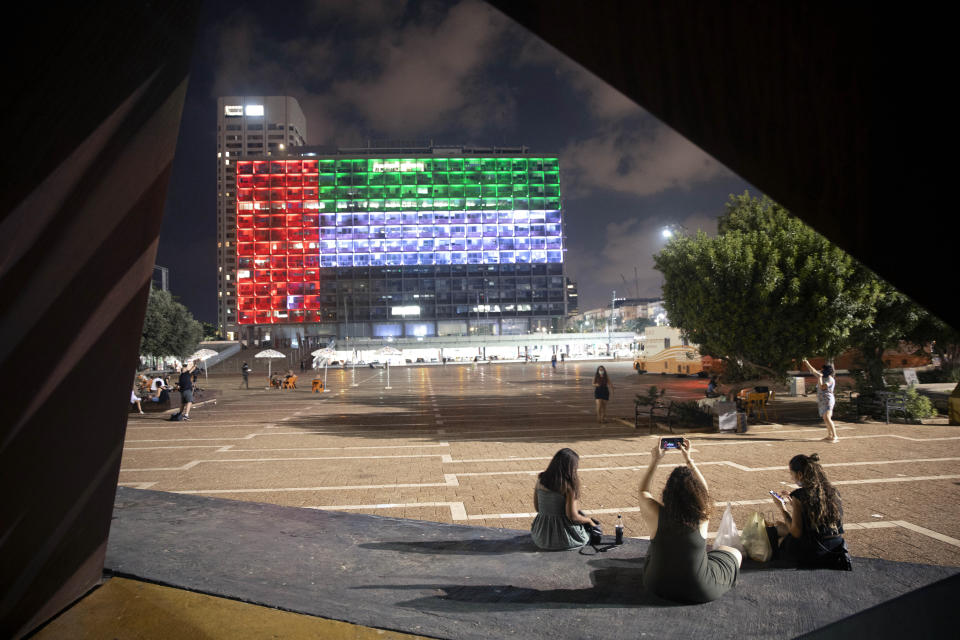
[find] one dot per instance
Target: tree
(767, 290)
(637, 325)
(897, 319)
(210, 331)
(168, 328)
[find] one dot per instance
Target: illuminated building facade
(403, 242)
(248, 126)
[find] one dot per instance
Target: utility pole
(613, 301)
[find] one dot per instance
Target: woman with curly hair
(678, 566)
(813, 519)
(559, 523)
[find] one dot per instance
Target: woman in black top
(601, 392)
(813, 519)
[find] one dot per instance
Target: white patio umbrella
(388, 351)
(326, 353)
(270, 354)
(202, 355)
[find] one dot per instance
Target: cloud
(627, 249)
(642, 160)
(429, 74)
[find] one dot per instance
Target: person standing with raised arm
(825, 397)
(678, 565)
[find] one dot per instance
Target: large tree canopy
(767, 290)
(168, 328)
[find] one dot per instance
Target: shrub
(918, 406)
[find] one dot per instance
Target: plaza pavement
(462, 444)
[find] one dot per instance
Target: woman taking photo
(559, 523)
(601, 392)
(825, 398)
(813, 519)
(678, 566)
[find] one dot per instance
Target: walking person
(245, 372)
(186, 389)
(826, 382)
(553, 361)
(602, 386)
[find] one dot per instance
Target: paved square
(463, 443)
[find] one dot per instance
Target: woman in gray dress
(559, 523)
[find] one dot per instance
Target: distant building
(160, 278)
(247, 126)
(573, 305)
(625, 310)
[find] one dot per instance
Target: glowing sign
(396, 165)
(254, 109)
(406, 311)
(233, 110)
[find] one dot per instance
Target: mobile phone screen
(776, 495)
(670, 443)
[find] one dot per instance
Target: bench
(659, 409)
(882, 403)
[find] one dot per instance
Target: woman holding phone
(813, 519)
(678, 566)
(825, 398)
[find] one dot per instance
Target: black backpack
(176, 417)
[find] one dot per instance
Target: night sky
(454, 73)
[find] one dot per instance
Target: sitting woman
(559, 523)
(813, 520)
(678, 566)
(135, 399)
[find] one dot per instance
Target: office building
(247, 126)
(411, 241)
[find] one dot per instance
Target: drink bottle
(619, 530)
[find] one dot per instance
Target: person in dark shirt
(245, 370)
(186, 389)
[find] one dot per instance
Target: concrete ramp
(452, 581)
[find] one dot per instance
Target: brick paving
(463, 443)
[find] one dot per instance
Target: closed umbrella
(270, 354)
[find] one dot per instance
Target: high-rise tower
(248, 126)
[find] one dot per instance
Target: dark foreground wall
(91, 111)
(835, 110)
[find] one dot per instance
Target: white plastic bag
(727, 534)
(755, 541)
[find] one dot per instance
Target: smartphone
(670, 443)
(777, 496)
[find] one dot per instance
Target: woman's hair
(598, 377)
(827, 370)
(685, 499)
(561, 474)
(823, 502)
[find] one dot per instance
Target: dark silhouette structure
(799, 99)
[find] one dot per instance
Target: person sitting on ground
(678, 565)
(162, 395)
(135, 399)
(812, 529)
(713, 388)
(560, 524)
